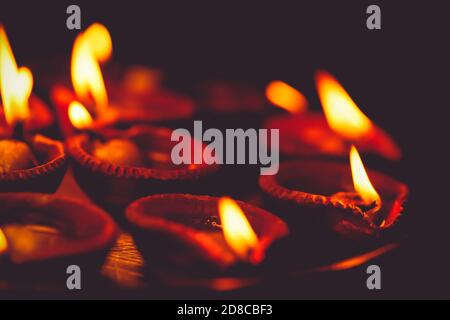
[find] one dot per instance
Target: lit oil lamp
(44, 231)
(28, 162)
(312, 134)
(201, 237)
(130, 163)
(327, 193)
(139, 99)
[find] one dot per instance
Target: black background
(399, 77)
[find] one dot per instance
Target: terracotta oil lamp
(313, 134)
(40, 235)
(136, 98)
(223, 104)
(327, 194)
(203, 237)
(28, 161)
(131, 163)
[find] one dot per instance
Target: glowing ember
(79, 116)
(341, 112)
(3, 242)
(16, 83)
(284, 96)
(361, 180)
(237, 230)
(91, 47)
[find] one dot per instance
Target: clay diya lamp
(198, 237)
(325, 195)
(314, 134)
(136, 98)
(116, 167)
(28, 162)
(41, 235)
(231, 105)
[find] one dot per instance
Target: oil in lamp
(331, 134)
(203, 237)
(130, 163)
(45, 232)
(139, 99)
(326, 193)
(28, 161)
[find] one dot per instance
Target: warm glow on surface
(91, 47)
(360, 260)
(342, 114)
(3, 243)
(361, 180)
(79, 116)
(237, 230)
(16, 83)
(284, 96)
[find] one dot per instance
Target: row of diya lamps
(121, 159)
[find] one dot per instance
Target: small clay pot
(160, 107)
(309, 135)
(304, 193)
(47, 233)
(226, 105)
(46, 176)
(183, 232)
(116, 186)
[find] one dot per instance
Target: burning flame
(361, 180)
(237, 230)
(284, 96)
(91, 47)
(16, 83)
(3, 242)
(79, 116)
(341, 112)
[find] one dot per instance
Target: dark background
(398, 76)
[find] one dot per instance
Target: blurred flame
(79, 116)
(284, 96)
(361, 180)
(3, 242)
(237, 230)
(360, 260)
(16, 83)
(91, 47)
(341, 112)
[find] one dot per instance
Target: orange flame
(361, 180)
(16, 84)
(286, 97)
(79, 116)
(360, 260)
(3, 242)
(341, 112)
(237, 230)
(91, 47)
